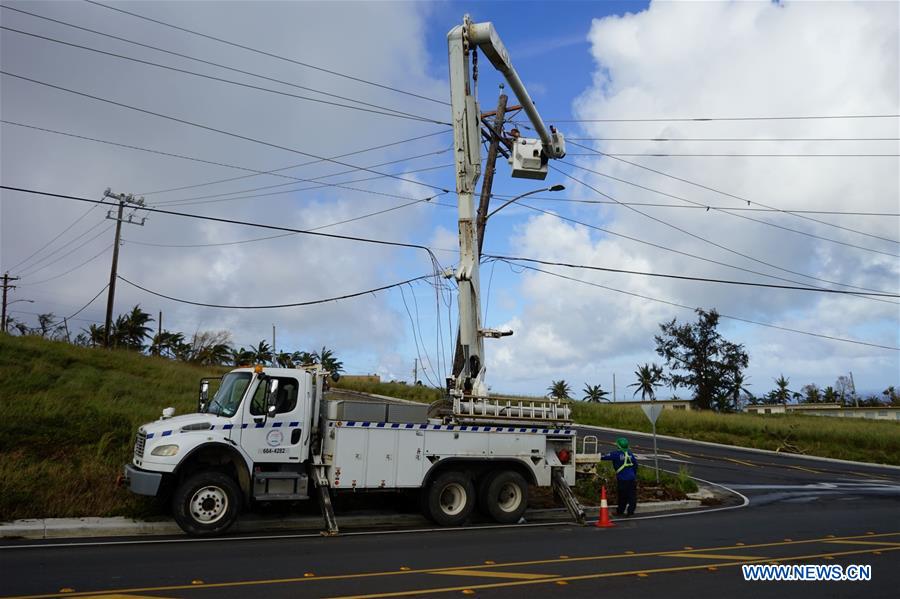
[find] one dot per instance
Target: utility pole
(273, 345)
(159, 334)
(415, 370)
(853, 391)
(66, 326)
(111, 293)
(6, 288)
(489, 169)
(614, 388)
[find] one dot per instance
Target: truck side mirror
(271, 398)
(204, 396)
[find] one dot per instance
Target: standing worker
(625, 466)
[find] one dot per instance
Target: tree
(262, 353)
(829, 395)
(845, 390)
(560, 390)
(592, 393)
(241, 357)
(13, 324)
(737, 388)
(95, 334)
(811, 393)
(328, 360)
(166, 343)
(284, 360)
(699, 358)
(303, 358)
(130, 330)
(781, 393)
(45, 324)
(649, 377)
(892, 396)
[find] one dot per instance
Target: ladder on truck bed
(546, 411)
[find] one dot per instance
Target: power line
(231, 221)
(703, 206)
(721, 155)
(228, 81)
(688, 254)
(732, 139)
(255, 172)
(730, 195)
(213, 129)
(269, 54)
(719, 245)
(202, 61)
(73, 269)
(82, 308)
(28, 270)
(272, 306)
(510, 259)
(728, 211)
(731, 118)
(737, 318)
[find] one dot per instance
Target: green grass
(418, 393)
(842, 438)
(67, 420)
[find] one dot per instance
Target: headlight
(165, 450)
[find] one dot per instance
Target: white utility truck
(269, 434)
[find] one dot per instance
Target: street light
(519, 197)
(6, 320)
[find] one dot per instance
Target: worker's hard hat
(622, 442)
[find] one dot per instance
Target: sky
(614, 77)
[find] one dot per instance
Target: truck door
(280, 438)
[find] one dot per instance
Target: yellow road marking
(802, 468)
(641, 573)
(682, 454)
(488, 574)
(714, 556)
(736, 461)
(243, 583)
(121, 597)
(865, 543)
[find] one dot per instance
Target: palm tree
(594, 394)
(829, 395)
(284, 360)
(738, 385)
(328, 360)
(781, 394)
(95, 334)
(648, 379)
(560, 390)
(262, 353)
(218, 353)
(303, 358)
(241, 357)
(165, 343)
(131, 329)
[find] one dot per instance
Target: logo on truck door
(275, 438)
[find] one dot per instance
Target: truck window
(228, 397)
(288, 389)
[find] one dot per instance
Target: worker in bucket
(625, 466)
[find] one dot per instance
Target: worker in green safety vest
(625, 465)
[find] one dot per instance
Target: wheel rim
(209, 504)
(453, 499)
(510, 497)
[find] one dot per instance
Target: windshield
(229, 395)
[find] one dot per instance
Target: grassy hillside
(68, 416)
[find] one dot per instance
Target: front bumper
(142, 482)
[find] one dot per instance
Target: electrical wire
(682, 277)
(737, 318)
(732, 139)
(81, 309)
(29, 271)
(728, 211)
(269, 54)
(719, 245)
(733, 155)
(730, 118)
(412, 324)
(272, 306)
(71, 270)
(202, 61)
(228, 81)
(212, 129)
(730, 195)
(701, 206)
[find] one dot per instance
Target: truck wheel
(451, 498)
(206, 503)
(506, 496)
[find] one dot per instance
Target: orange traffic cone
(604, 521)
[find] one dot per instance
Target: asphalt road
(798, 511)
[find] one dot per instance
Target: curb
(751, 449)
(64, 528)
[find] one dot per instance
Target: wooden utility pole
(111, 293)
(6, 288)
(490, 168)
(159, 334)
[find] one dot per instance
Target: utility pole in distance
(111, 293)
(6, 288)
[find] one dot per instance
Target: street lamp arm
(519, 197)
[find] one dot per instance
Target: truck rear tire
(505, 496)
(450, 498)
(206, 503)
